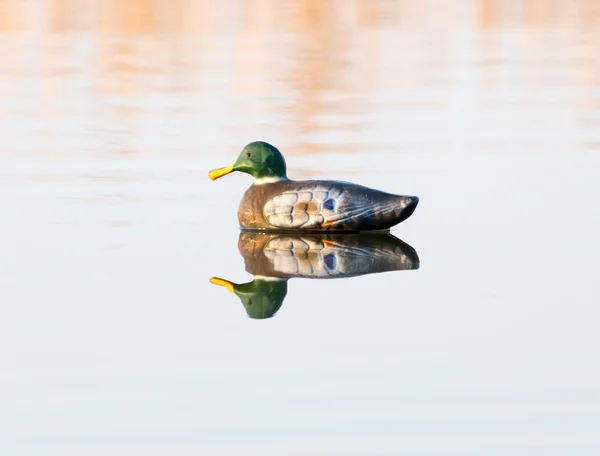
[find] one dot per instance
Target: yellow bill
(220, 172)
(224, 283)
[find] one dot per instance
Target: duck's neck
(269, 180)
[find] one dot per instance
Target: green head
(261, 298)
(259, 159)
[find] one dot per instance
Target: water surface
(112, 338)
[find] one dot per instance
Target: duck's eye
(249, 302)
(248, 154)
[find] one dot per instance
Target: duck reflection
(273, 259)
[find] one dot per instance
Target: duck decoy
(273, 259)
(274, 202)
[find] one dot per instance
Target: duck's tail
(393, 210)
(404, 206)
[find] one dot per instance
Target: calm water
(112, 338)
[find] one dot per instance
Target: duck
(276, 203)
(275, 258)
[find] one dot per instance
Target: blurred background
(113, 340)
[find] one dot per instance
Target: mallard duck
(273, 259)
(274, 202)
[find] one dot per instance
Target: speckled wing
(314, 205)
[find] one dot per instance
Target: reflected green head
(261, 298)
